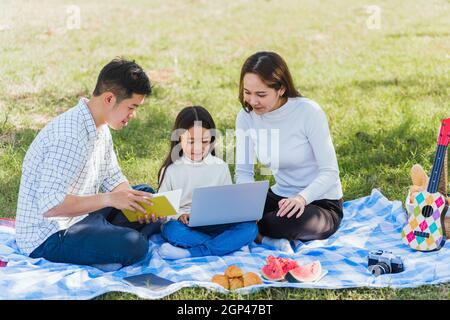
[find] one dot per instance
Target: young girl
(192, 163)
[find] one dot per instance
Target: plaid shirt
(69, 156)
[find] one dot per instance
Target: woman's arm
(319, 138)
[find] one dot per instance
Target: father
(72, 190)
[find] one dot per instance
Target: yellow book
(164, 204)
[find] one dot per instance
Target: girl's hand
(147, 218)
(291, 206)
(184, 218)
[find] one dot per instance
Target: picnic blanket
(369, 223)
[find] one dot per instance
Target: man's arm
(74, 206)
(114, 178)
(125, 198)
(123, 186)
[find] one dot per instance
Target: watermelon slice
(273, 270)
(307, 273)
(286, 263)
(277, 268)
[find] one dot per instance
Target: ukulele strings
(437, 167)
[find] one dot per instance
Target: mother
(289, 134)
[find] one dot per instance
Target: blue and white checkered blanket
(369, 223)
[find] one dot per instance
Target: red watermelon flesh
(273, 270)
(286, 263)
(277, 268)
(307, 273)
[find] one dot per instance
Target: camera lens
(379, 269)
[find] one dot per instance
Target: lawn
(379, 70)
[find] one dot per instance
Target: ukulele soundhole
(427, 211)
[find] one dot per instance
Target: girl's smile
(196, 143)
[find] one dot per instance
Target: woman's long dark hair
(185, 120)
(272, 70)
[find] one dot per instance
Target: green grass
(384, 90)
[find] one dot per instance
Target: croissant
(419, 179)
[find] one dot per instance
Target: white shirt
(187, 175)
(69, 156)
(295, 143)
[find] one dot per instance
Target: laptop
(228, 204)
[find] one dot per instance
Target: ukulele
(425, 229)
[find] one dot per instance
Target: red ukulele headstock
(444, 133)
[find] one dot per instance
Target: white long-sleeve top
(294, 142)
(187, 175)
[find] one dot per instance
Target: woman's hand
(291, 206)
(184, 218)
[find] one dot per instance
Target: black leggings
(320, 220)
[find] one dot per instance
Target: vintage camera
(382, 262)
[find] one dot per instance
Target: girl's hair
(272, 70)
(186, 119)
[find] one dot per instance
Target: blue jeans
(215, 240)
(104, 236)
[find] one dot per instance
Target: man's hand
(291, 206)
(128, 199)
(184, 218)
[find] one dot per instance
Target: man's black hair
(123, 78)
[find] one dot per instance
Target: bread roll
(222, 280)
(233, 272)
(251, 278)
(236, 283)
